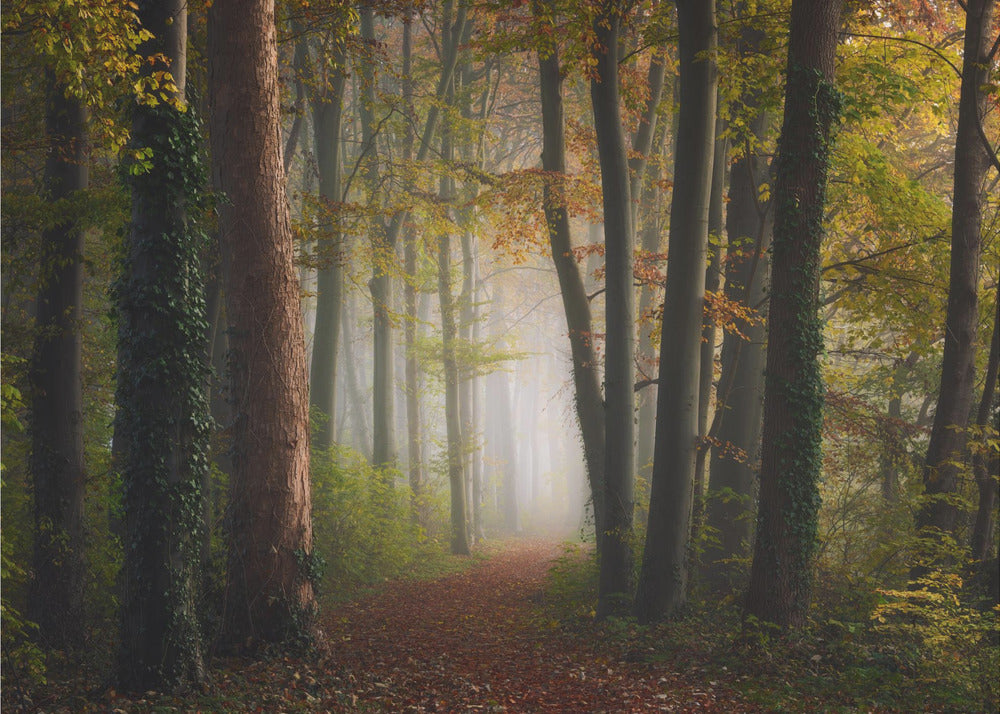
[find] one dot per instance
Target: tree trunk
(663, 579)
(269, 595)
(619, 372)
(163, 406)
(958, 369)
(327, 110)
(586, 375)
(780, 577)
(55, 601)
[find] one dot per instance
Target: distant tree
(269, 594)
(57, 462)
(781, 573)
(948, 436)
(663, 579)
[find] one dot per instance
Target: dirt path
(475, 642)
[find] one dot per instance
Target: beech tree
(269, 595)
(781, 573)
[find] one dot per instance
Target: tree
(619, 368)
(586, 376)
(943, 462)
(163, 418)
(663, 579)
(57, 462)
(269, 595)
(781, 573)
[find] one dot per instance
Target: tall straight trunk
(269, 595)
(586, 376)
(355, 403)
(942, 466)
(412, 369)
(327, 110)
(740, 395)
(709, 330)
(663, 578)
(479, 530)
(163, 407)
(57, 462)
(449, 335)
(781, 573)
(619, 371)
(984, 461)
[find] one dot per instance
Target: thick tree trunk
(327, 110)
(619, 370)
(269, 594)
(163, 407)
(958, 370)
(740, 395)
(663, 579)
(57, 463)
(781, 574)
(586, 374)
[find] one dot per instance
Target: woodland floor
(478, 640)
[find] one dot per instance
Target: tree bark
(269, 593)
(985, 460)
(781, 573)
(619, 371)
(55, 601)
(586, 375)
(663, 579)
(944, 452)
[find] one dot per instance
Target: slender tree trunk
(943, 463)
(355, 399)
(56, 602)
(619, 371)
(586, 375)
(663, 579)
(985, 461)
(163, 406)
(327, 109)
(269, 595)
(781, 573)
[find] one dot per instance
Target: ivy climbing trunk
(327, 108)
(943, 464)
(576, 306)
(663, 579)
(163, 412)
(615, 585)
(269, 594)
(56, 602)
(780, 576)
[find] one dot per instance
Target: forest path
(477, 641)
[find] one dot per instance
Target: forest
(514, 356)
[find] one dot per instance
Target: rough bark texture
(619, 370)
(781, 573)
(958, 369)
(586, 375)
(740, 395)
(269, 593)
(984, 462)
(327, 110)
(663, 580)
(57, 465)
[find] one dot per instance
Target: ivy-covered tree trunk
(663, 579)
(163, 413)
(586, 374)
(327, 111)
(781, 573)
(615, 579)
(57, 463)
(269, 594)
(943, 463)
